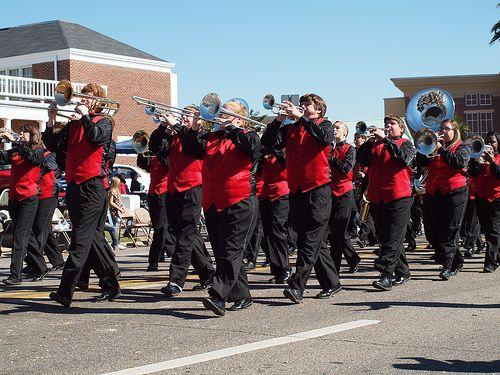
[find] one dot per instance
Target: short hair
(34, 131)
(399, 120)
(345, 126)
(316, 100)
(493, 134)
(94, 89)
(237, 108)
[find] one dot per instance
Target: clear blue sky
(345, 51)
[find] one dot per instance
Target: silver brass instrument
(428, 108)
(476, 146)
(363, 129)
(17, 136)
(426, 141)
(270, 104)
(211, 109)
(140, 141)
(64, 96)
(158, 109)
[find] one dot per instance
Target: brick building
(477, 98)
(34, 57)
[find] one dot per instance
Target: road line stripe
(245, 348)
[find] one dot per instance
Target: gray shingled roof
(56, 35)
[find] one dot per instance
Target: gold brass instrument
(64, 96)
(211, 109)
(270, 104)
(140, 141)
(364, 208)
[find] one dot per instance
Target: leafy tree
(495, 30)
(462, 126)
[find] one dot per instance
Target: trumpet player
(486, 175)
(389, 157)
(229, 157)
(446, 188)
(86, 142)
(307, 143)
(342, 163)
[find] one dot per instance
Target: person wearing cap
(389, 157)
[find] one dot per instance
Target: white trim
(174, 97)
(89, 56)
(480, 111)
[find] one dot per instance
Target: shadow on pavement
(455, 365)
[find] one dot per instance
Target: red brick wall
(46, 70)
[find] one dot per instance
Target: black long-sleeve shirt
(457, 160)
(344, 166)
(405, 154)
(33, 155)
(475, 168)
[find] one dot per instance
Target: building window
(470, 100)
(485, 99)
(486, 123)
(14, 72)
(28, 72)
(3, 72)
(472, 120)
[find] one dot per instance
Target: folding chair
(142, 221)
(60, 225)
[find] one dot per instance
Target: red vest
(47, 183)
(158, 177)
(24, 178)
(487, 185)
(306, 159)
(184, 169)
(341, 183)
(84, 159)
(226, 173)
(259, 183)
(388, 178)
(444, 178)
(275, 178)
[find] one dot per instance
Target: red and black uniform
(157, 166)
(255, 242)
(487, 190)
(389, 193)
(23, 201)
(183, 202)
(307, 144)
(446, 190)
(274, 211)
(342, 163)
(470, 230)
(47, 202)
(229, 202)
(86, 143)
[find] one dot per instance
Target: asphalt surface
(425, 326)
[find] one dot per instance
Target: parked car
(143, 178)
(4, 177)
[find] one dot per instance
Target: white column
(174, 98)
(7, 125)
(42, 125)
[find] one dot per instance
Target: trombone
(64, 96)
(157, 109)
(270, 104)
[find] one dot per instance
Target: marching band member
(26, 158)
(307, 144)
(342, 163)
(183, 201)
(229, 157)
(446, 189)
(486, 177)
(86, 142)
(389, 157)
(274, 210)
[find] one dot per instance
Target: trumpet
(64, 96)
(363, 129)
(270, 104)
(16, 136)
(211, 109)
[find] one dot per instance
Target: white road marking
(250, 347)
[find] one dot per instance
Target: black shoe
(55, 296)
(490, 268)
(28, 271)
(291, 250)
(162, 259)
(249, 265)
(203, 285)
(11, 280)
(152, 267)
(328, 293)
(384, 283)
(241, 304)
(293, 295)
(106, 296)
(266, 263)
(82, 286)
(468, 252)
(401, 280)
(457, 269)
(217, 306)
(446, 273)
(410, 249)
(429, 246)
(171, 289)
(57, 267)
(354, 268)
(479, 249)
(41, 275)
(360, 244)
(281, 279)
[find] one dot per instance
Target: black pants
(391, 220)
(255, 242)
(489, 217)
(52, 249)
(470, 230)
(40, 234)
(229, 231)
(163, 241)
(310, 212)
(414, 224)
(86, 203)
(340, 242)
(274, 216)
(428, 222)
(183, 213)
(22, 214)
(447, 212)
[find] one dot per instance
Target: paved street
(426, 326)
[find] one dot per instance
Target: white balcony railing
(32, 88)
